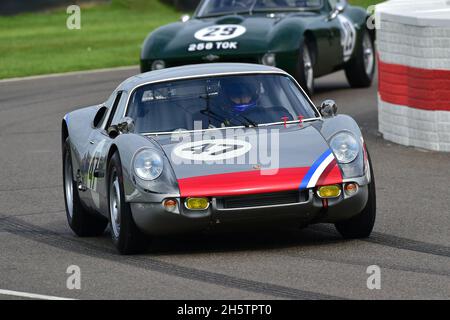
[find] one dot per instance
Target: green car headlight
(269, 59)
(158, 65)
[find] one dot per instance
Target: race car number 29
(216, 38)
(220, 32)
(348, 37)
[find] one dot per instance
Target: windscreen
(217, 102)
(217, 7)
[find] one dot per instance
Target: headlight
(158, 65)
(148, 164)
(269, 59)
(345, 147)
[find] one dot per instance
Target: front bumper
(153, 219)
(283, 60)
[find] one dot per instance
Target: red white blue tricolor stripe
(319, 167)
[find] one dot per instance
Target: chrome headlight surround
(345, 147)
(148, 164)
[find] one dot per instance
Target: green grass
(110, 35)
(364, 3)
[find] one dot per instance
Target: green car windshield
(218, 102)
(220, 7)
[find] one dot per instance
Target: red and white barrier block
(413, 42)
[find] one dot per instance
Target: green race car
(306, 38)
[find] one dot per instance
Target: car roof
(194, 71)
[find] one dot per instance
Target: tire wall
(413, 44)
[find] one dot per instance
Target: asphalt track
(411, 242)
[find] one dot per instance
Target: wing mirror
(185, 18)
(126, 125)
(113, 131)
(338, 9)
(328, 109)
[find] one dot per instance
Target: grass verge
(364, 3)
(110, 36)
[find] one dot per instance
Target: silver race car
(213, 146)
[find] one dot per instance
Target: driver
(240, 95)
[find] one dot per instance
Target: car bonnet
(248, 34)
(251, 161)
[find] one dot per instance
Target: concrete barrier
(413, 45)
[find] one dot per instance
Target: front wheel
(304, 72)
(360, 70)
(81, 221)
(361, 226)
(125, 235)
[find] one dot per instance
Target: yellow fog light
(333, 191)
(197, 203)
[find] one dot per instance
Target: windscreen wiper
(251, 122)
(252, 7)
(219, 117)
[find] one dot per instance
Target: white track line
(30, 295)
(64, 74)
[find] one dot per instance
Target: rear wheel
(360, 70)
(361, 226)
(81, 221)
(125, 235)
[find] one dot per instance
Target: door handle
(92, 141)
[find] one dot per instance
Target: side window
(118, 114)
(113, 109)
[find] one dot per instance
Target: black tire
(361, 226)
(300, 73)
(355, 69)
(81, 221)
(128, 239)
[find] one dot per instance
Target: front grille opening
(264, 199)
(222, 59)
